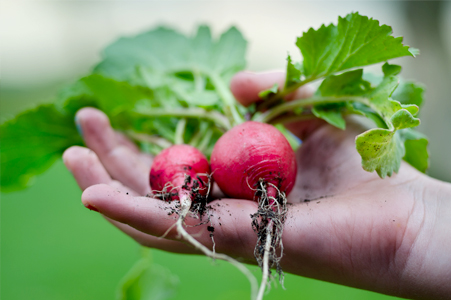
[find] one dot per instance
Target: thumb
(246, 86)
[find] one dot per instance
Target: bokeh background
(53, 248)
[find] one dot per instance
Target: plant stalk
(230, 104)
(192, 112)
(274, 112)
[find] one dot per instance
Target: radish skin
(174, 165)
(251, 152)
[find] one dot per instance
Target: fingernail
(90, 207)
(78, 126)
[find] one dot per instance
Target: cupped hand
(344, 225)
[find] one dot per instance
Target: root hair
(268, 223)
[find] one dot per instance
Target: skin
(390, 236)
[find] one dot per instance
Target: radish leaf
(356, 41)
(415, 144)
(31, 142)
(294, 72)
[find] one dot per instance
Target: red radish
(182, 169)
(255, 161)
(250, 153)
(181, 172)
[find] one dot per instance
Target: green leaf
(349, 84)
(331, 113)
(409, 93)
(346, 84)
(162, 49)
(404, 119)
(109, 95)
(194, 68)
(294, 73)
(114, 96)
(364, 110)
(389, 70)
(417, 153)
(381, 151)
(388, 109)
(148, 281)
(379, 98)
(228, 55)
(271, 91)
(167, 51)
(31, 142)
(356, 41)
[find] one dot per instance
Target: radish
(181, 172)
(254, 161)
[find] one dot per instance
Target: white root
(185, 204)
(268, 224)
(265, 264)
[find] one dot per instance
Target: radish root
(268, 223)
(265, 266)
(198, 208)
(185, 203)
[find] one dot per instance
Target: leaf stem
(288, 90)
(292, 118)
(230, 104)
(276, 111)
(192, 112)
(180, 132)
(205, 141)
(142, 137)
(195, 140)
(275, 98)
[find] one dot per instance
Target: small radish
(255, 161)
(181, 172)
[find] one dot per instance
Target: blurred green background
(52, 247)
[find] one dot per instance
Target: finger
(153, 242)
(246, 86)
(122, 161)
(87, 170)
(85, 166)
(230, 219)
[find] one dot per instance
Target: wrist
(427, 272)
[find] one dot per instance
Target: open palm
(344, 225)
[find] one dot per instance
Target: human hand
(387, 235)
